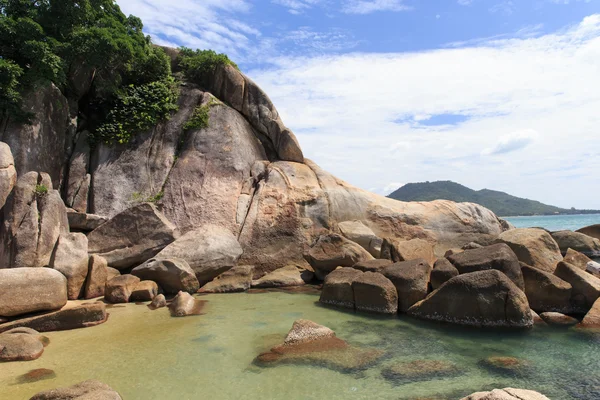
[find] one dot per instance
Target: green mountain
(502, 204)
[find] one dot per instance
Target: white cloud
(465, 2)
(505, 7)
(296, 6)
(512, 142)
(370, 6)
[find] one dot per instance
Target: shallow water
(149, 355)
(555, 222)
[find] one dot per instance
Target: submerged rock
(171, 274)
(507, 394)
(503, 364)
(82, 316)
(184, 304)
(373, 292)
(533, 247)
(36, 375)
(420, 370)
(88, 390)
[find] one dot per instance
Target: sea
(555, 222)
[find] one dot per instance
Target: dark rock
(237, 279)
(79, 179)
(546, 292)
(443, 271)
(332, 251)
(119, 289)
(371, 265)
(407, 250)
(584, 285)
(577, 241)
(172, 275)
(420, 370)
(36, 375)
(411, 279)
(96, 277)
(373, 292)
(26, 290)
(511, 365)
(144, 291)
(71, 259)
(337, 288)
(88, 390)
(83, 316)
(533, 247)
(555, 318)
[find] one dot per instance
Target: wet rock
(88, 390)
(71, 259)
(359, 233)
(172, 275)
(502, 364)
(36, 375)
(184, 304)
(132, 237)
(407, 250)
(96, 277)
(577, 259)
(507, 394)
(119, 289)
(555, 318)
(144, 291)
(584, 285)
(82, 316)
(373, 292)
(577, 241)
(411, 279)
(80, 221)
(483, 298)
(158, 302)
(498, 256)
(533, 247)
(546, 292)
(372, 265)
(592, 318)
(332, 251)
(420, 370)
(337, 288)
(290, 275)
(20, 347)
(26, 290)
(443, 271)
(237, 279)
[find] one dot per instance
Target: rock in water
(533, 247)
(554, 318)
(498, 256)
(332, 251)
(443, 271)
(407, 250)
(237, 279)
(132, 237)
(337, 288)
(411, 279)
(158, 302)
(184, 304)
(25, 290)
(420, 370)
(287, 276)
(82, 316)
(36, 375)
(172, 275)
(71, 259)
(119, 289)
(97, 277)
(577, 241)
(546, 292)
(8, 173)
(507, 394)
(144, 291)
(373, 292)
(20, 347)
(483, 298)
(89, 390)
(586, 286)
(592, 318)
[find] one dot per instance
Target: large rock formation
(592, 231)
(332, 251)
(546, 292)
(25, 290)
(172, 275)
(577, 241)
(411, 279)
(8, 173)
(533, 246)
(71, 259)
(81, 316)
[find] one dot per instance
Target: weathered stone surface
(158, 302)
(8, 173)
(555, 318)
(71, 259)
(332, 251)
(81, 221)
(443, 271)
(482, 298)
(304, 331)
(20, 347)
(359, 233)
(171, 274)
(593, 268)
(119, 289)
(289, 275)
(372, 265)
(87, 390)
(373, 292)
(407, 250)
(79, 181)
(34, 217)
(592, 318)
(537, 320)
(237, 279)
(411, 279)
(132, 237)
(82, 316)
(144, 291)
(420, 370)
(577, 259)
(112, 273)
(577, 241)
(96, 277)
(498, 256)
(546, 292)
(533, 246)
(592, 231)
(209, 250)
(184, 305)
(507, 394)
(337, 287)
(584, 285)
(25, 290)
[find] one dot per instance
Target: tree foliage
(199, 64)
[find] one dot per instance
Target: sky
(494, 94)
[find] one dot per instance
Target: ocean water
(149, 355)
(555, 222)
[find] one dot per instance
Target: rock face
(499, 257)
(20, 346)
(373, 292)
(132, 237)
(91, 390)
(287, 276)
(25, 290)
(78, 185)
(237, 279)
(209, 251)
(79, 221)
(119, 289)
(332, 251)
(172, 275)
(585, 286)
(359, 233)
(8, 173)
(533, 247)
(411, 279)
(71, 259)
(96, 277)
(82, 316)
(578, 242)
(443, 271)
(507, 394)
(337, 287)
(34, 217)
(483, 298)
(407, 250)
(546, 292)
(592, 231)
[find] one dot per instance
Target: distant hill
(502, 204)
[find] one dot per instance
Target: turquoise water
(555, 222)
(149, 355)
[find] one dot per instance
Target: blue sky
(492, 94)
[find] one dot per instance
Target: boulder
(371, 265)
(337, 287)
(373, 292)
(172, 275)
(209, 251)
(82, 316)
(71, 259)
(546, 292)
(442, 271)
(507, 394)
(555, 318)
(577, 241)
(132, 237)
(537, 320)
(593, 268)
(119, 289)
(112, 273)
(96, 277)
(158, 302)
(144, 291)
(34, 217)
(8, 173)
(26, 290)
(533, 247)
(359, 233)
(585, 286)
(87, 390)
(332, 251)
(20, 347)
(577, 259)
(290, 275)
(420, 370)
(591, 231)
(407, 250)
(237, 279)
(592, 318)
(80, 221)
(184, 305)
(411, 279)
(483, 298)
(498, 256)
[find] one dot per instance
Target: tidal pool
(149, 355)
